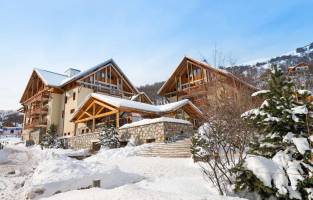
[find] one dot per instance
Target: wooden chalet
(204, 85)
(52, 98)
(79, 102)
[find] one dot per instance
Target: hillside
(10, 118)
(255, 72)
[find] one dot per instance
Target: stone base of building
(33, 135)
(85, 141)
(156, 132)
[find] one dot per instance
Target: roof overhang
(125, 105)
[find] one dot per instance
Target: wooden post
(96, 183)
(75, 129)
(93, 117)
(117, 119)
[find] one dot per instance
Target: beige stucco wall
(81, 94)
(55, 110)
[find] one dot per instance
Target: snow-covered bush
(279, 162)
(50, 139)
(108, 137)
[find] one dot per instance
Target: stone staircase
(177, 149)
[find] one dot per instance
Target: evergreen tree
(108, 137)
(284, 121)
(50, 139)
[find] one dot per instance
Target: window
(74, 96)
(72, 110)
(68, 133)
(64, 134)
(83, 131)
(65, 101)
(63, 114)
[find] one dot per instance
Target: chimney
(71, 72)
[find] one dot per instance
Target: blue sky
(147, 39)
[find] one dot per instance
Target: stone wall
(158, 132)
(82, 141)
(174, 129)
(33, 135)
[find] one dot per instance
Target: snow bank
(127, 151)
(60, 174)
(4, 155)
(131, 192)
(10, 140)
(156, 120)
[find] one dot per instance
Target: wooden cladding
(34, 86)
(93, 110)
(108, 80)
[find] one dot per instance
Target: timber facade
(205, 86)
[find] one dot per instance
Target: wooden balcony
(36, 124)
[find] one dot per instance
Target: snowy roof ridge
(50, 78)
(155, 120)
(57, 73)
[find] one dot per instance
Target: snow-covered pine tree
(50, 139)
(279, 163)
(108, 137)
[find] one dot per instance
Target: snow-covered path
(15, 169)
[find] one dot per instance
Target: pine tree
(284, 121)
(50, 139)
(108, 137)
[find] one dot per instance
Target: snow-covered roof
(155, 120)
(59, 80)
(138, 106)
(125, 103)
(51, 78)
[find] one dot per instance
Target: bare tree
(220, 144)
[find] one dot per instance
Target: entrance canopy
(99, 105)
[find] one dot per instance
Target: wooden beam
(117, 120)
(104, 105)
(93, 118)
(99, 111)
(97, 116)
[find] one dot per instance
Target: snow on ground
(10, 139)
(53, 175)
(163, 178)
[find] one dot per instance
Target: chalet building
(78, 103)
(203, 85)
(299, 68)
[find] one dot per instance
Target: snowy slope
(122, 175)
